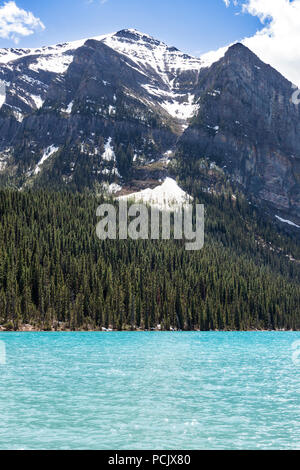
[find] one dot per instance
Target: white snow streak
(38, 101)
(287, 221)
(109, 154)
(47, 154)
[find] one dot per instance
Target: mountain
(118, 109)
(126, 92)
(127, 115)
(248, 125)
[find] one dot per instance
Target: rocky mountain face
(248, 125)
(116, 108)
(84, 112)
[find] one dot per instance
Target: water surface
(149, 391)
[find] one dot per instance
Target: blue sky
(270, 28)
(194, 26)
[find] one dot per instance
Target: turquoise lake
(150, 391)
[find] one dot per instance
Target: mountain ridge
(250, 127)
(142, 99)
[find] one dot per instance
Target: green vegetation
(56, 274)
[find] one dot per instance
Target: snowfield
(167, 196)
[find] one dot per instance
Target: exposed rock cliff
(248, 124)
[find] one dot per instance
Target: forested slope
(56, 274)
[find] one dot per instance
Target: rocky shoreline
(27, 328)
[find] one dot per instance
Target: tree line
(56, 274)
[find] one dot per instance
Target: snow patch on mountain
(181, 110)
(2, 100)
(48, 152)
(57, 64)
(114, 188)
(38, 101)
(69, 108)
(18, 115)
(178, 105)
(109, 154)
(167, 196)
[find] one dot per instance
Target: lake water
(150, 391)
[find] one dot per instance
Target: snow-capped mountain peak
(138, 46)
(172, 74)
(147, 52)
(169, 76)
(11, 54)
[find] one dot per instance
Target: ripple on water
(149, 391)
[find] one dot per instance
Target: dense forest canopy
(56, 274)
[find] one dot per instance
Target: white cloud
(227, 2)
(277, 43)
(16, 22)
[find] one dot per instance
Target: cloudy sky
(271, 28)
